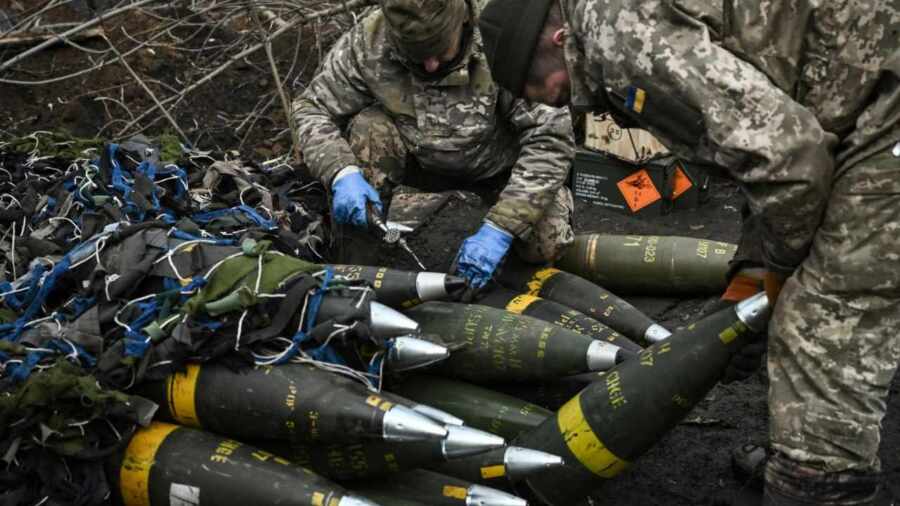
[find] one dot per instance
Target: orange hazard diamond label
(639, 190)
(680, 183)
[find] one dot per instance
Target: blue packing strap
(69, 348)
(325, 353)
(136, 343)
(28, 296)
(20, 372)
(120, 184)
(19, 325)
(180, 187)
(80, 305)
(251, 213)
(316, 299)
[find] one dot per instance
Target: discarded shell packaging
(435, 489)
(480, 408)
(496, 345)
(292, 402)
(557, 314)
(403, 289)
(582, 295)
(167, 465)
(651, 265)
(407, 353)
(367, 460)
(603, 429)
(499, 468)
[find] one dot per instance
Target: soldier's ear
(559, 37)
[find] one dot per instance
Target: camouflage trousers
(376, 141)
(833, 341)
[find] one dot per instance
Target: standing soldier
(800, 101)
(408, 92)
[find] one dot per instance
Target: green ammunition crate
(637, 188)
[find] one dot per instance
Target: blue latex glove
(351, 193)
(481, 253)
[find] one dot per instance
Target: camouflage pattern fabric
(376, 141)
(791, 97)
(459, 124)
(833, 345)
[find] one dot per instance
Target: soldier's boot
(789, 483)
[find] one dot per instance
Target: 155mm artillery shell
(557, 314)
(479, 407)
(499, 468)
(435, 489)
(292, 401)
(367, 460)
(496, 345)
(166, 465)
(603, 429)
(582, 295)
(651, 265)
(403, 289)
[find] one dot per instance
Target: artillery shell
(496, 345)
(367, 460)
(292, 401)
(499, 468)
(651, 265)
(557, 314)
(403, 289)
(166, 465)
(584, 296)
(479, 407)
(436, 490)
(603, 429)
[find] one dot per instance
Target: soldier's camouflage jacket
(461, 125)
(769, 89)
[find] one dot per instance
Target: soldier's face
(436, 63)
(555, 90)
(548, 78)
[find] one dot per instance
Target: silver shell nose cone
(462, 441)
(656, 333)
(754, 311)
(401, 424)
(485, 496)
(438, 415)
(349, 500)
(521, 462)
(431, 286)
(411, 352)
(388, 322)
(601, 355)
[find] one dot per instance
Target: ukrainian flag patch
(635, 99)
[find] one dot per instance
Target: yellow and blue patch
(635, 99)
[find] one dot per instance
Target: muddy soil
(690, 466)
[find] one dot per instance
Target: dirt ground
(690, 466)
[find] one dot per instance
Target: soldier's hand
(481, 254)
(351, 194)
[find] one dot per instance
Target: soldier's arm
(336, 93)
(547, 145)
(695, 94)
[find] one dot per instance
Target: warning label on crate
(592, 187)
(680, 183)
(639, 190)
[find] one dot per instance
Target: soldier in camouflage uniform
(412, 86)
(800, 101)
